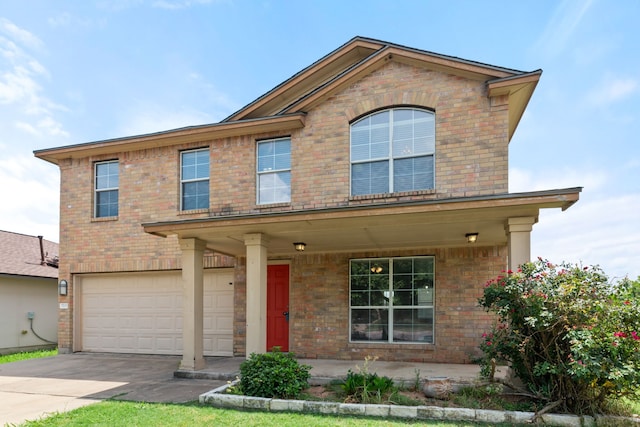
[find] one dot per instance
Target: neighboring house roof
(21, 255)
(285, 106)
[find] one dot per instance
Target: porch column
(192, 306)
(256, 315)
(519, 240)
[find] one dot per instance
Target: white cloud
(561, 27)
(67, 20)
(597, 231)
(613, 90)
(22, 36)
(178, 4)
(521, 180)
(27, 127)
(30, 195)
(145, 118)
(21, 90)
(51, 127)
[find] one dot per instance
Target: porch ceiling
(436, 223)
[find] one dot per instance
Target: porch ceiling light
(471, 237)
(299, 246)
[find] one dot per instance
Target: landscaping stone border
(219, 399)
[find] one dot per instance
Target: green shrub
(367, 387)
(275, 374)
(570, 335)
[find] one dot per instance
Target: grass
(137, 414)
(15, 357)
(124, 413)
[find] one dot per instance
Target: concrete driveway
(32, 389)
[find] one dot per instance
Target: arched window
(393, 151)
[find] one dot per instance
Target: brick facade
(319, 297)
(471, 160)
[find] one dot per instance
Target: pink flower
(488, 342)
(484, 335)
(627, 302)
(635, 336)
(615, 343)
(620, 334)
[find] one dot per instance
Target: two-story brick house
(355, 209)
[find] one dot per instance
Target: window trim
(96, 191)
(390, 159)
(274, 171)
(390, 308)
(184, 181)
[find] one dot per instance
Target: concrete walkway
(32, 389)
(36, 388)
(323, 370)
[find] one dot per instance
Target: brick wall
(471, 159)
(319, 301)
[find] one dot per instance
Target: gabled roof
(350, 61)
(284, 107)
(20, 255)
(361, 56)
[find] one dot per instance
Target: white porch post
(519, 240)
(256, 244)
(192, 305)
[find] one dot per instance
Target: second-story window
(194, 179)
(274, 171)
(106, 189)
(393, 151)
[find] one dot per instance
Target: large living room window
(391, 300)
(393, 151)
(194, 179)
(106, 189)
(274, 171)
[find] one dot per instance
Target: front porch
(321, 314)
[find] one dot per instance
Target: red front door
(278, 307)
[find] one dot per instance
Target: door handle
(286, 315)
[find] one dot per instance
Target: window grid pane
(392, 299)
(106, 189)
(402, 139)
(194, 176)
(274, 171)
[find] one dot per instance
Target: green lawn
(123, 413)
(7, 358)
(133, 414)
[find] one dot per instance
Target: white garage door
(142, 313)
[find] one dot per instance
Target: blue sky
(80, 71)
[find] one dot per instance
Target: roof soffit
(380, 58)
(519, 90)
(426, 224)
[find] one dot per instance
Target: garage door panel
(142, 313)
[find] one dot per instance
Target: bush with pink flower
(569, 334)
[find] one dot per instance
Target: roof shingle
(20, 255)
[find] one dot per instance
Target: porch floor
(325, 370)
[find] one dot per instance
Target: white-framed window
(274, 171)
(194, 179)
(106, 189)
(392, 299)
(393, 151)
